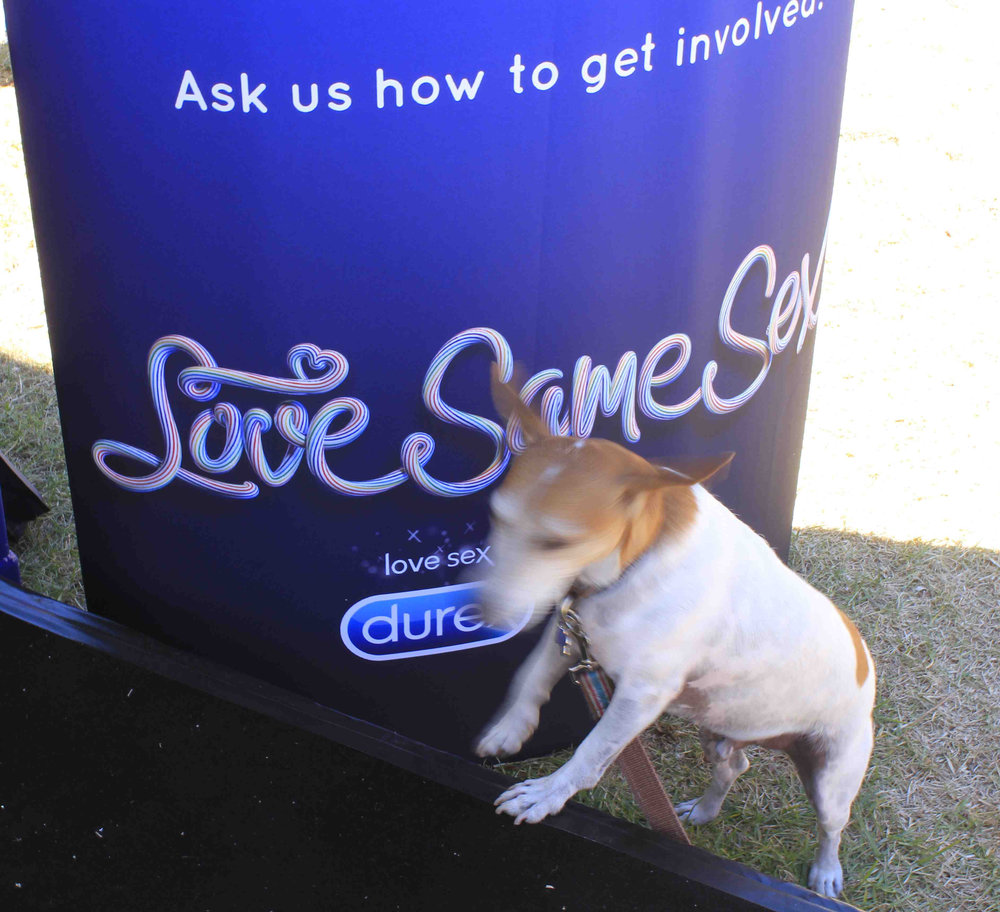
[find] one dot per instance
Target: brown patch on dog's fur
(606, 489)
(693, 702)
(789, 742)
(860, 658)
(667, 513)
(616, 496)
(783, 742)
(664, 506)
(652, 504)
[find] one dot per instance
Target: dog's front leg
(529, 691)
(634, 706)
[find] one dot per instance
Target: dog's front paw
(827, 879)
(697, 810)
(507, 734)
(533, 799)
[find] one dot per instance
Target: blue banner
(282, 244)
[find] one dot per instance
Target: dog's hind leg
(832, 772)
(729, 762)
(517, 718)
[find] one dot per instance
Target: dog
(688, 611)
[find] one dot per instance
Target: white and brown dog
(689, 612)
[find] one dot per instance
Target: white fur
(757, 652)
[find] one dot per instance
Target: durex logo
(403, 625)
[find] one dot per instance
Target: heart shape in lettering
(332, 365)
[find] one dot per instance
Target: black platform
(129, 780)
(21, 502)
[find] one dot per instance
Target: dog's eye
(551, 544)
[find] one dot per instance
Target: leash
(633, 761)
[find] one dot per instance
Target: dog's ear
(508, 403)
(696, 470)
(701, 469)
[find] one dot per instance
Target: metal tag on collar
(571, 628)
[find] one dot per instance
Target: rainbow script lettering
(628, 390)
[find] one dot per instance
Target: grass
(896, 512)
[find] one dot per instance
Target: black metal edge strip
(118, 641)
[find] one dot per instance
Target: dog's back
(760, 652)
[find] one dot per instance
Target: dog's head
(573, 510)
